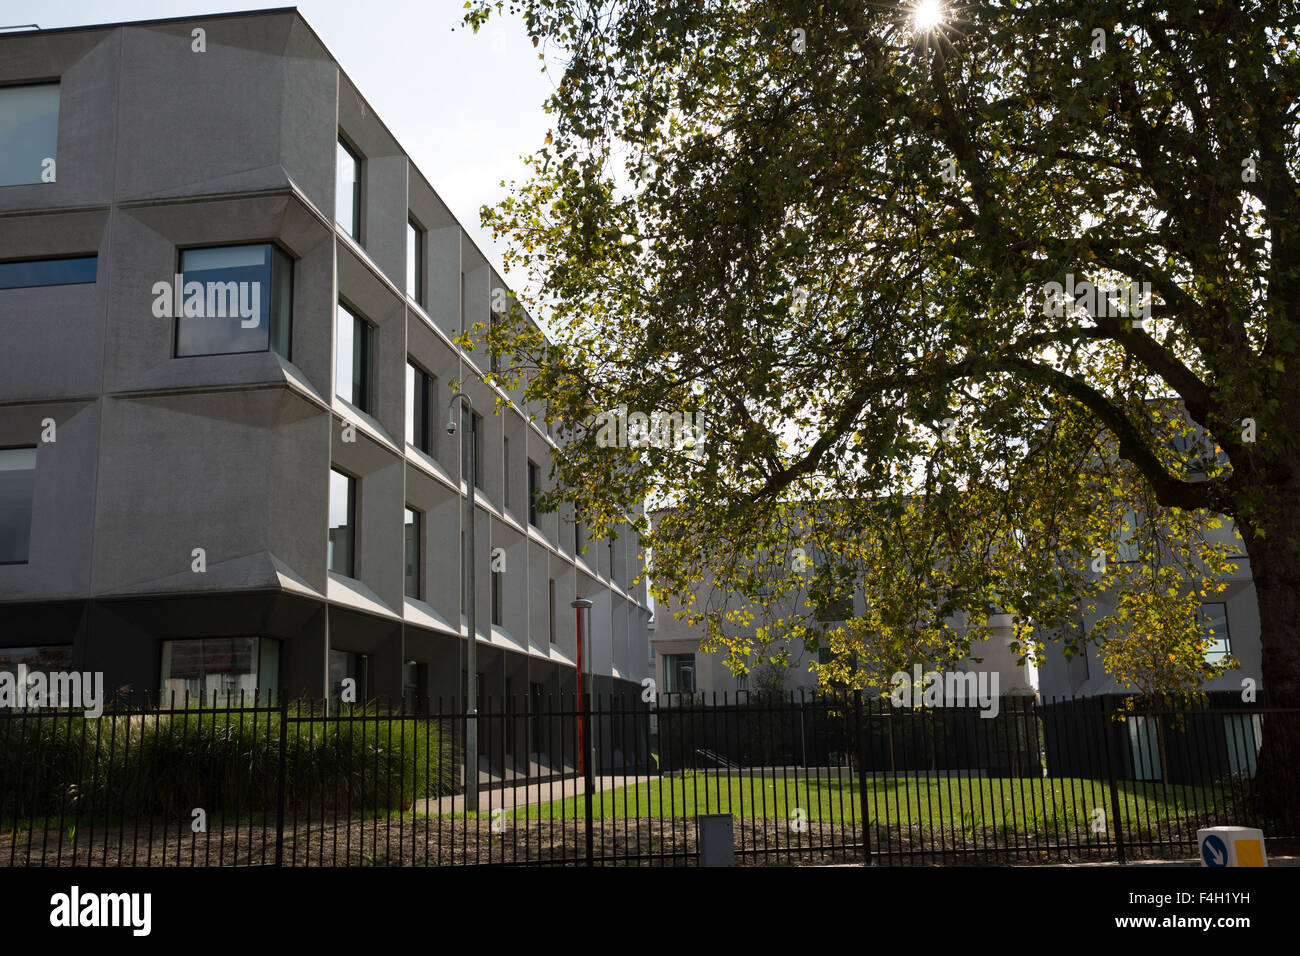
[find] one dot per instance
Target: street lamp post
(585, 759)
(471, 650)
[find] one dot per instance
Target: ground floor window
(220, 671)
(348, 666)
(679, 673)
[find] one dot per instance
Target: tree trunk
(1275, 566)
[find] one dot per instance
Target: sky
(465, 107)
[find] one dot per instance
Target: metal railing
(294, 783)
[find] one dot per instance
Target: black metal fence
(805, 780)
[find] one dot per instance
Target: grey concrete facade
(162, 148)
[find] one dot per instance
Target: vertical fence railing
(276, 782)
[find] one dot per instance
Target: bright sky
(465, 107)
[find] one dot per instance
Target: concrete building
(246, 481)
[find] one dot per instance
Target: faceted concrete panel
(58, 563)
(181, 472)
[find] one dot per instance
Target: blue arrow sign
(1214, 851)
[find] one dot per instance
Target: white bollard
(1231, 846)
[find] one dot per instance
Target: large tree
(854, 236)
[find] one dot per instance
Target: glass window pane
(227, 298)
(29, 133)
(342, 522)
(415, 262)
(17, 488)
(1214, 622)
(38, 272)
(224, 669)
(347, 193)
(412, 553)
(412, 398)
(281, 317)
(353, 338)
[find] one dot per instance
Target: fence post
(279, 810)
(1108, 726)
(862, 780)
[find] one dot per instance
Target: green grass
(997, 801)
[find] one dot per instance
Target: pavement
(512, 797)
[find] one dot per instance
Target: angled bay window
(29, 133)
(17, 488)
(354, 359)
(231, 299)
(343, 523)
(347, 191)
(420, 394)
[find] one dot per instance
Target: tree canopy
(1000, 311)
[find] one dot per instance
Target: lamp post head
(581, 603)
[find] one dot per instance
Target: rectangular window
(29, 273)
(29, 133)
(233, 299)
(473, 425)
(534, 488)
(494, 361)
(414, 523)
(415, 261)
(344, 666)
(347, 191)
(550, 621)
(17, 489)
(419, 408)
(679, 673)
(1129, 546)
(343, 523)
(577, 535)
(505, 472)
(231, 670)
(496, 598)
(47, 658)
(1214, 622)
(354, 359)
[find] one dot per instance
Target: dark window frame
(274, 322)
(413, 225)
(369, 349)
(358, 191)
(25, 84)
(498, 614)
(354, 488)
(419, 524)
(422, 407)
(28, 260)
(32, 507)
(534, 488)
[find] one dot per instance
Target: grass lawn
(996, 801)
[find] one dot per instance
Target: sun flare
(927, 14)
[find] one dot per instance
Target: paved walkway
(511, 797)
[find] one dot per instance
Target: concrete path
(511, 797)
